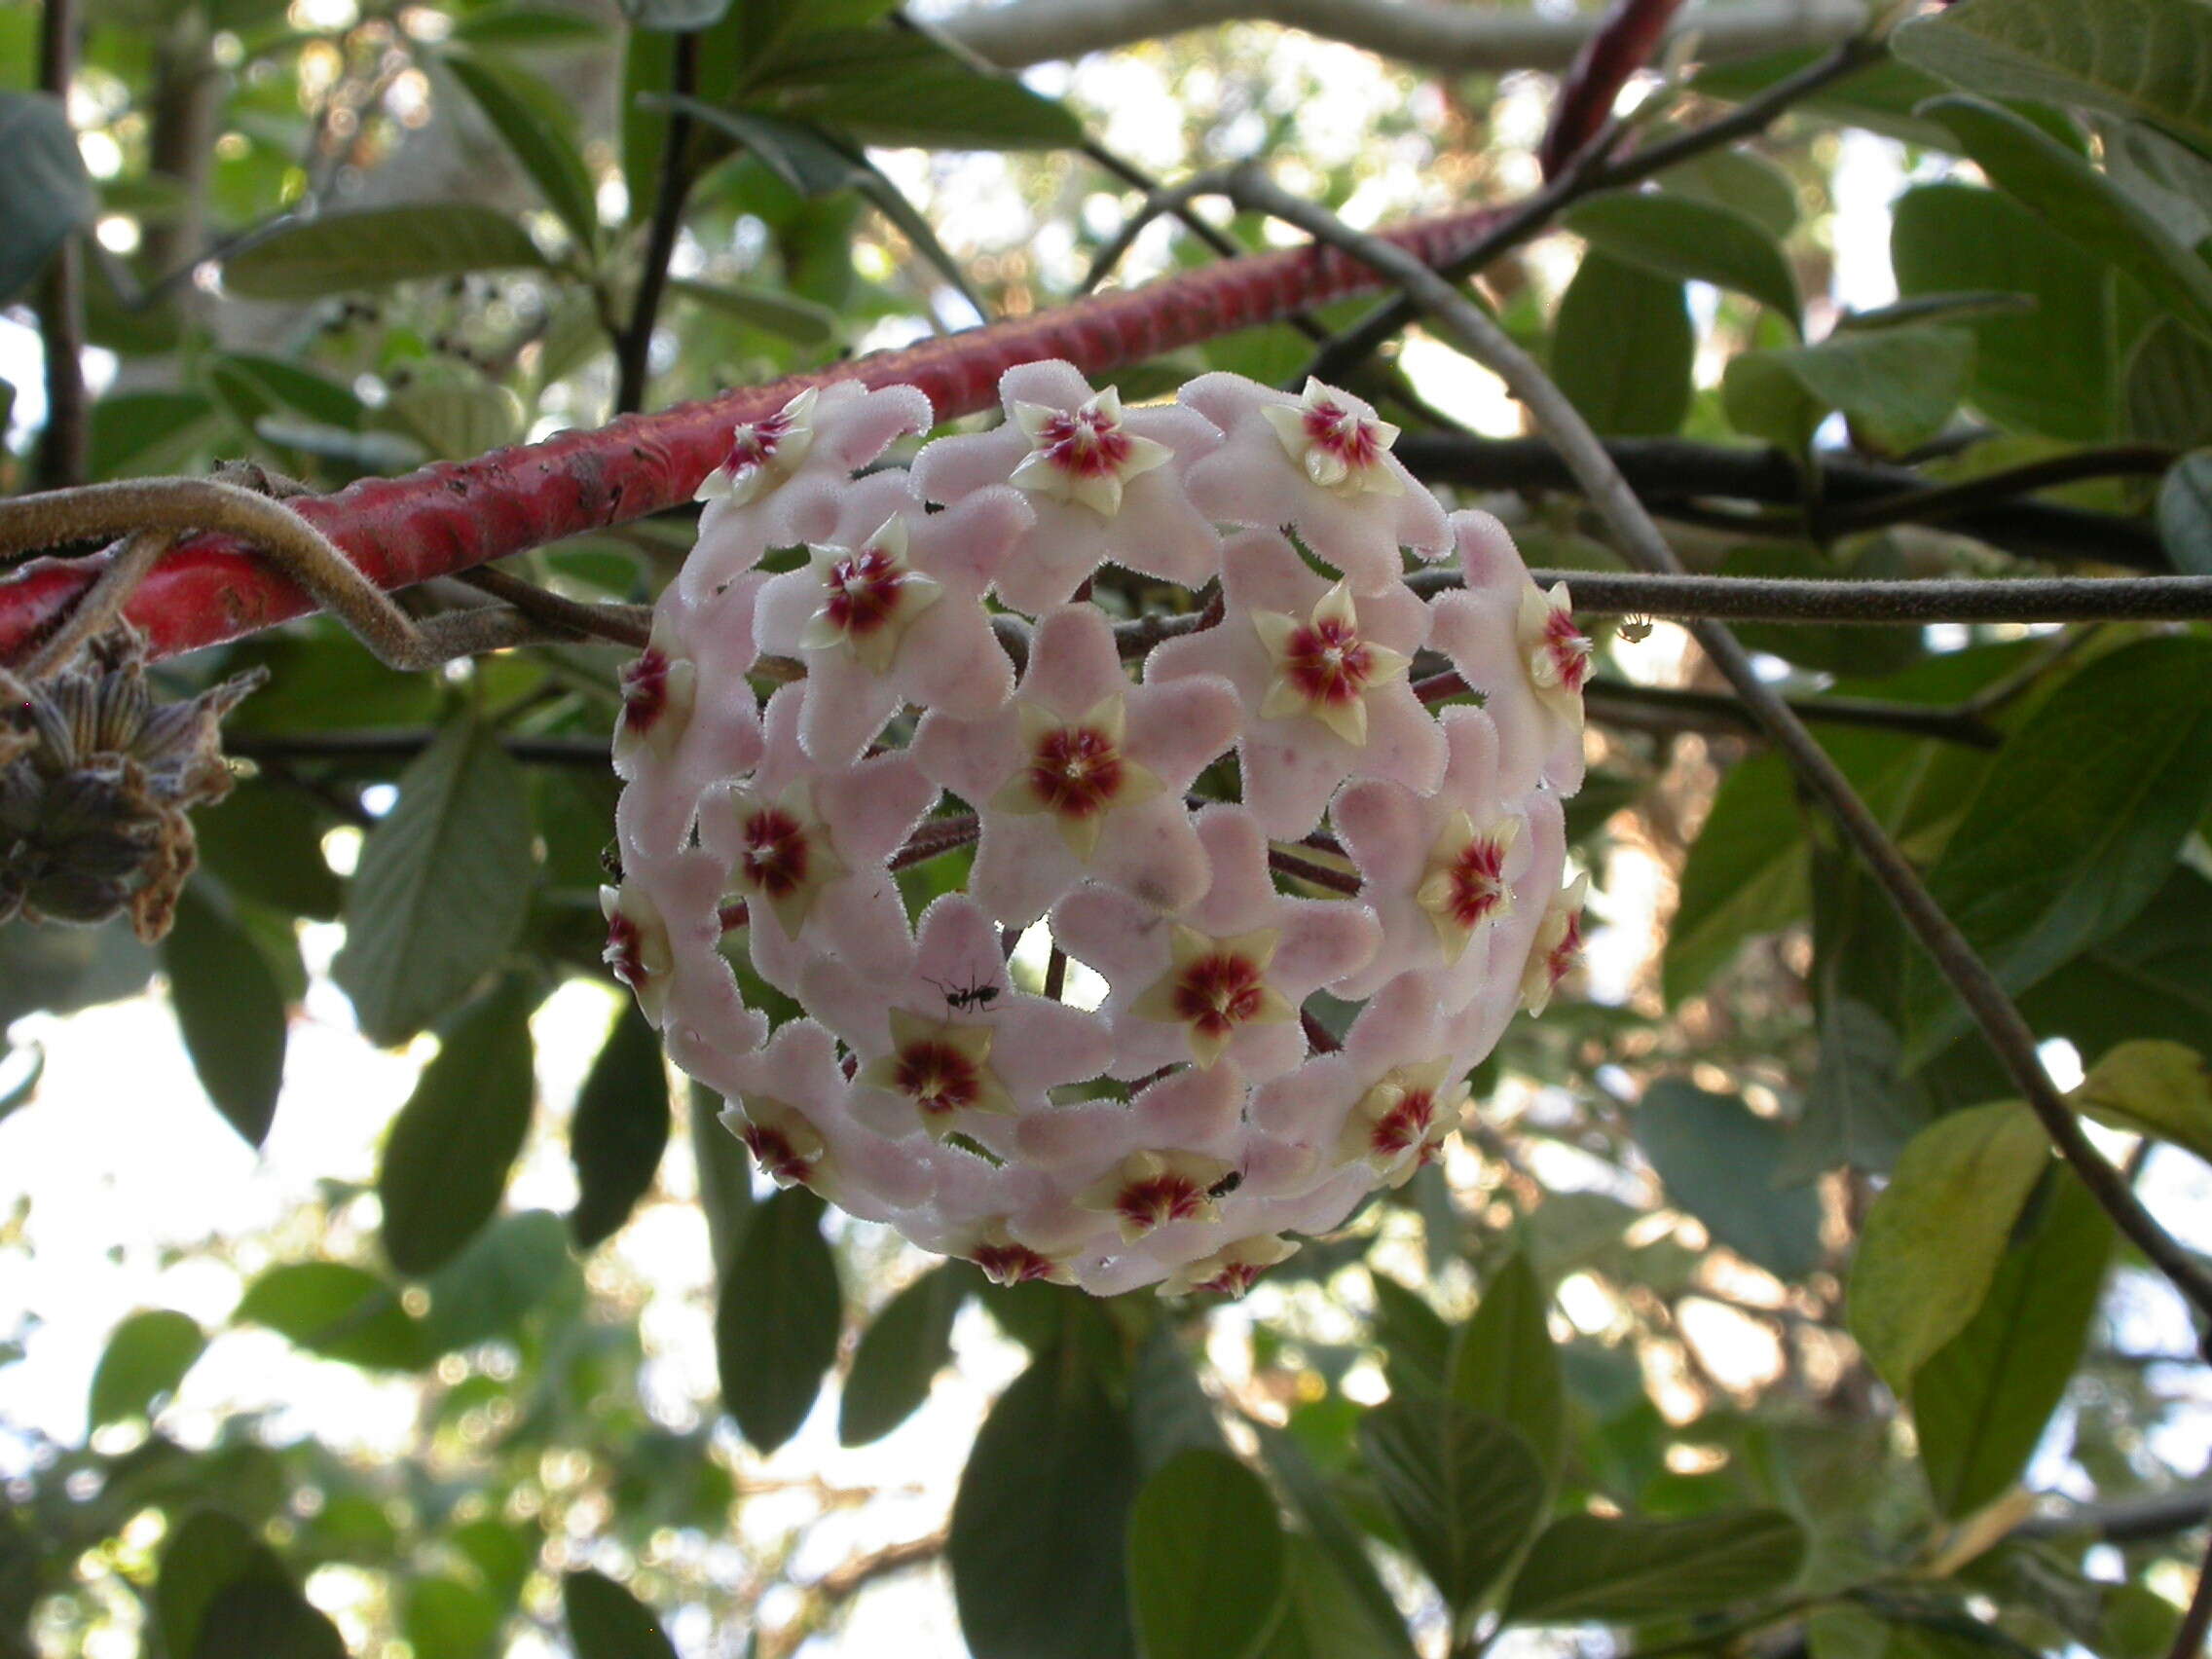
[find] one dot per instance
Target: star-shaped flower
(637, 947)
(807, 847)
(1231, 1269)
(1403, 1118)
(778, 480)
(1520, 648)
(1321, 676)
(689, 717)
(791, 1107)
(1105, 483)
(1151, 1188)
(1085, 774)
(1226, 978)
(1006, 1260)
(1437, 867)
(951, 1036)
(895, 616)
(1320, 462)
(658, 688)
(1557, 945)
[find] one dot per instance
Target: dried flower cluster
(95, 782)
(1178, 1125)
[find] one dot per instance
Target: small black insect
(1226, 1185)
(970, 995)
(610, 862)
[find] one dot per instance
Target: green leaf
(1335, 1540)
(339, 1311)
(2184, 513)
(621, 1127)
(2147, 60)
(502, 1274)
(2080, 204)
(2166, 392)
(1740, 181)
(222, 1592)
(146, 1357)
(1719, 1163)
(1695, 241)
(230, 1009)
(1746, 874)
(265, 842)
(136, 434)
(1622, 348)
(776, 1319)
(1038, 1544)
(441, 887)
(509, 22)
(1933, 1240)
(607, 1622)
(446, 1159)
(1896, 386)
(1321, 1617)
(372, 247)
(1416, 1343)
(1504, 1364)
(1880, 98)
(1617, 1568)
(900, 1354)
(546, 153)
(2152, 1087)
(1465, 1489)
(897, 87)
(800, 321)
(456, 418)
(1952, 238)
(444, 1618)
(45, 193)
(1981, 1400)
(2077, 823)
(276, 382)
(1206, 1560)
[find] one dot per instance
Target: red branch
(454, 515)
(1623, 44)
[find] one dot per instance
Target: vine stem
(1994, 1013)
(634, 344)
(1872, 604)
(64, 448)
(454, 515)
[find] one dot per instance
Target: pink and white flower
(1084, 774)
(1106, 483)
(1322, 678)
(1321, 463)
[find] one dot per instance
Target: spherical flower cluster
(1118, 1057)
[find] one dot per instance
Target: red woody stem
(454, 515)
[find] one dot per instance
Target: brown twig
(620, 624)
(64, 448)
(633, 345)
(1285, 863)
(102, 603)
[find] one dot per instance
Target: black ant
(970, 995)
(1226, 1185)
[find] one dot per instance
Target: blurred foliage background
(547, 1368)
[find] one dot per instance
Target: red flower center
(1336, 431)
(645, 690)
(1569, 650)
(1011, 1264)
(1328, 662)
(624, 954)
(1560, 959)
(1405, 1125)
(1218, 993)
(1076, 771)
(937, 1078)
(1162, 1199)
(774, 858)
(1085, 444)
(864, 590)
(1478, 880)
(1235, 1279)
(755, 443)
(777, 1156)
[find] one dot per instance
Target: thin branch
(1872, 604)
(1290, 863)
(1355, 344)
(2001, 1023)
(1322, 1040)
(2127, 1520)
(1951, 500)
(64, 448)
(1626, 39)
(2196, 1623)
(1614, 702)
(620, 624)
(1668, 473)
(1430, 34)
(102, 603)
(403, 743)
(633, 347)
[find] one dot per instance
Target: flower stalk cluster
(1179, 1114)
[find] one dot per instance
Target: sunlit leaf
(607, 1622)
(373, 247)
(1593, 1567)
(146, 1357)
(1464, 1488)
(900, 1355)
(1622, 348)
(1206, 1560)
(2155, 1087)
